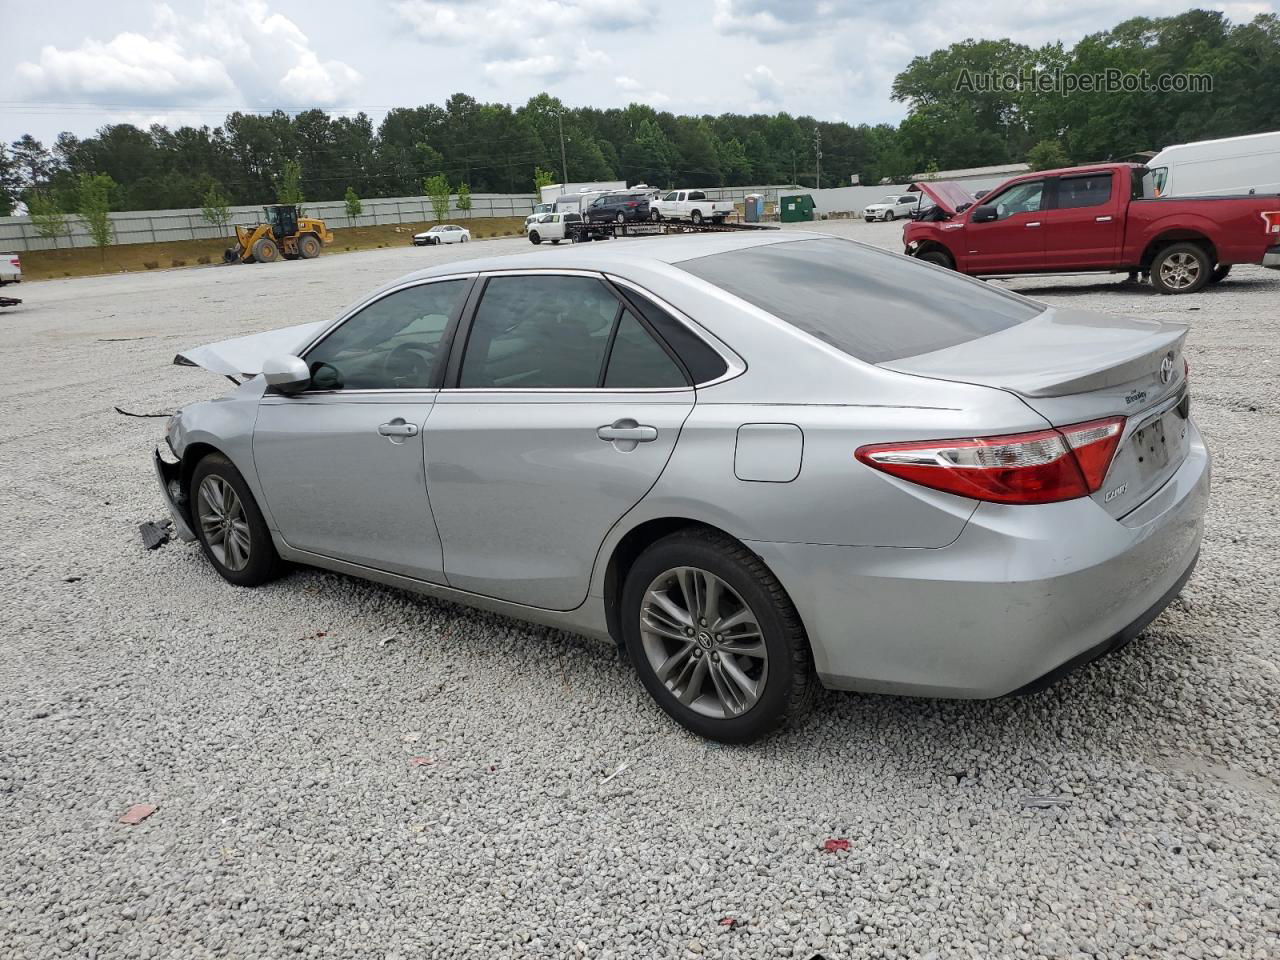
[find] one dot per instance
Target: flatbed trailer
(582, 232)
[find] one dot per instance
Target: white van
(1217, 168)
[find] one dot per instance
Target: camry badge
(1166, 369)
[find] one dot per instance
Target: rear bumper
(1272, 258)
(1023, 595)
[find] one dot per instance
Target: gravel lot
(275, 730)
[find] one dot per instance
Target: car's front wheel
(714, 637)
(888, 216)
(535, 237)
(229, 525)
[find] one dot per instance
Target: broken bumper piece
(170, 477)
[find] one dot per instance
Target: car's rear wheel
(936, 257)
(714, 637)
(696, 217)
(1181, 268)
(229, 525)
(620, 218)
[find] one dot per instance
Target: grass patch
(130, 257)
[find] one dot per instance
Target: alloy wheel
(223, 523)
(1179, 270)
(703, 642)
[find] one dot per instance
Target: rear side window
(637, 360)
(868, 303)
(1090, 191)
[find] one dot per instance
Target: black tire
(789, 685)
(655, 216)
(1194, 261)
(535, 237)
(263, 564)
(936, 257)
(696, 216)
(1220, 273)
(265, 251)
(308, 246)
(620, 218)
(889, 216)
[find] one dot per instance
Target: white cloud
(236, 51)
(628, 84)
(525, 39)
(764, 84)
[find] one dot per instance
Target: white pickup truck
(689, 205)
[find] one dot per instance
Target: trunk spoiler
(244, 356)
(950, 197)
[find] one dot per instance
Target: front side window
(393, 344)
(1090, 191)
(539, 332)
(863, 301)
(672, 196)
(1020, 198)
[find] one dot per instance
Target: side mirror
(286, 374)
(985, 213)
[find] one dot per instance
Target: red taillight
(1043, 466)
(633, 205)
(1272, 219)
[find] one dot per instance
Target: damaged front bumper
(170, 477)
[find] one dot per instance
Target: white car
(551, 226)
(892, 207)
(10, 268)
(444, 233)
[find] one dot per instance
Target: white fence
(160, 226)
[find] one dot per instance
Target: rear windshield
(866, 302)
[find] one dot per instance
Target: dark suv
(619, 207)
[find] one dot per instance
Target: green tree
(436, 187)
(542, 178)
(464, 199)
(1047, 155)
(353, 204)
(47, 216)
(10, 182)
(289, 183)
(94, 208)
(214, 209)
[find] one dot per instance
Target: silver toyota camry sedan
(758, 461)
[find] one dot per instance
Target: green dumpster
(796, 208)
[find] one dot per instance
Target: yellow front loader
(285, 234)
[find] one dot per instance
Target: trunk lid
(1072, 366)
(950, 197)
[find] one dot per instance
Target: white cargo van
(1217, 168)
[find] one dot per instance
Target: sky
(73, 65)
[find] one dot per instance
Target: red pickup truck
(1095, 218)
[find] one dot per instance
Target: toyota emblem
(1166, 369)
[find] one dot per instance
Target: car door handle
(1034, 223)
(628, 430)
(398, 428)
(1102, 219)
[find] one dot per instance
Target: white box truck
(1217, 168)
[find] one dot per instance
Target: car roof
(612, 255)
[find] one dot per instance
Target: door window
(539, 332)
(1021, 198)
(637, 360)
(392, 344)
(1090, 191)
(697, 195)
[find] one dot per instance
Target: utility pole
(817, 152)
(564, 164)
